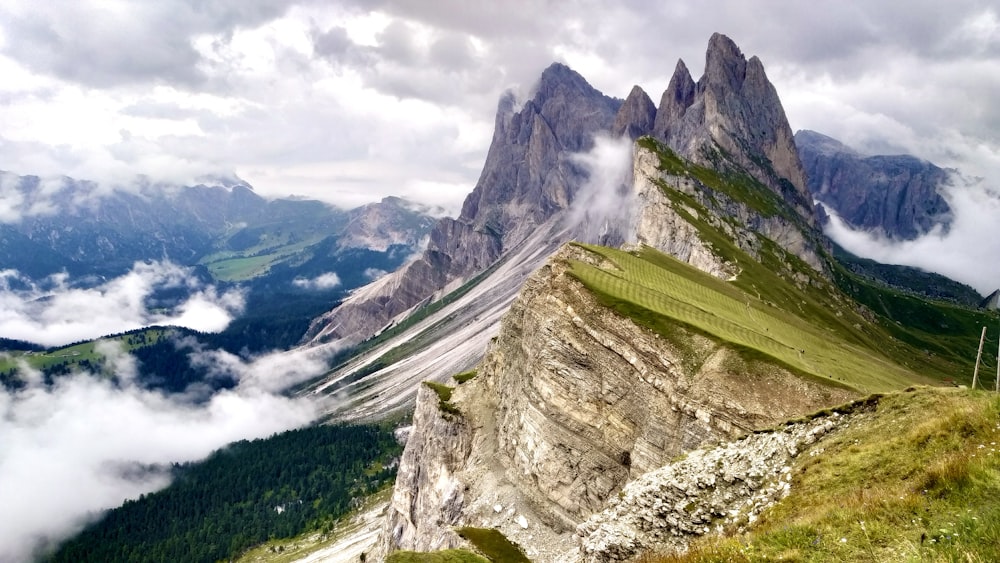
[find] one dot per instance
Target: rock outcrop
(897, 196)
(712, 490)
(657, 220)
(570, 403)
(636, 116)
(429, 493)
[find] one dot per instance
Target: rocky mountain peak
(725, 64)
(523, 169)
(528, 178)
(636, 116)
(898, 196)
(734, 113)
(676, 99)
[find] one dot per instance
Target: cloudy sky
(349, 100)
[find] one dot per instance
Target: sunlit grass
(915, 481)
(656, 290)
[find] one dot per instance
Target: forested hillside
(243, 495)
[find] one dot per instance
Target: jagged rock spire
(676, 99)
(524, 182)
(636, 116)
(733, 108)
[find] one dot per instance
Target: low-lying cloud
(86, 443)
(329, 280)
(604, 205)
(967, 252)
(55, 313)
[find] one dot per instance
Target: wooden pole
(979, 356)
(997, 388)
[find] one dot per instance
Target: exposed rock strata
(571, 402)
(428, 493)
(657, 222)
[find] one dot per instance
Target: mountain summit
(732, 115)
(898, 196)
(526, 180)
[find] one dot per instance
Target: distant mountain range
(897, 196)
(79, 227)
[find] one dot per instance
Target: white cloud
(966, 252)
(328, 280)
(86, 444)
(374, 273)
(352, 101)
(58, 313)
(603, 206)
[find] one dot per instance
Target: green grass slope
(658, 291)
(937, 339)
(917, 480)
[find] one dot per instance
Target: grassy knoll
(917, 480)
(447, 556)
(494, 545)
(656, 290)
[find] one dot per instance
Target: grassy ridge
(934, 338)
(917, 481)
(649, 284)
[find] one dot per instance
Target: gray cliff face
(571, 402)
(898, 196)
(528, 176)
(430, 497)
(657, 221)
(636, 116)
(734, 109)
(527, 179)
(676, 99)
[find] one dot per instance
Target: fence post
(979, 356)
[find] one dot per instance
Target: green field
(935, 339)
(76, 354)
(232, 266)
(657, 290)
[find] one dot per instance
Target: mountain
(525, 206)
(527, 179)
(723, 316)
(700, 371)
(611, 364)
(87, 230)
(896, 196)
(732, 118)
